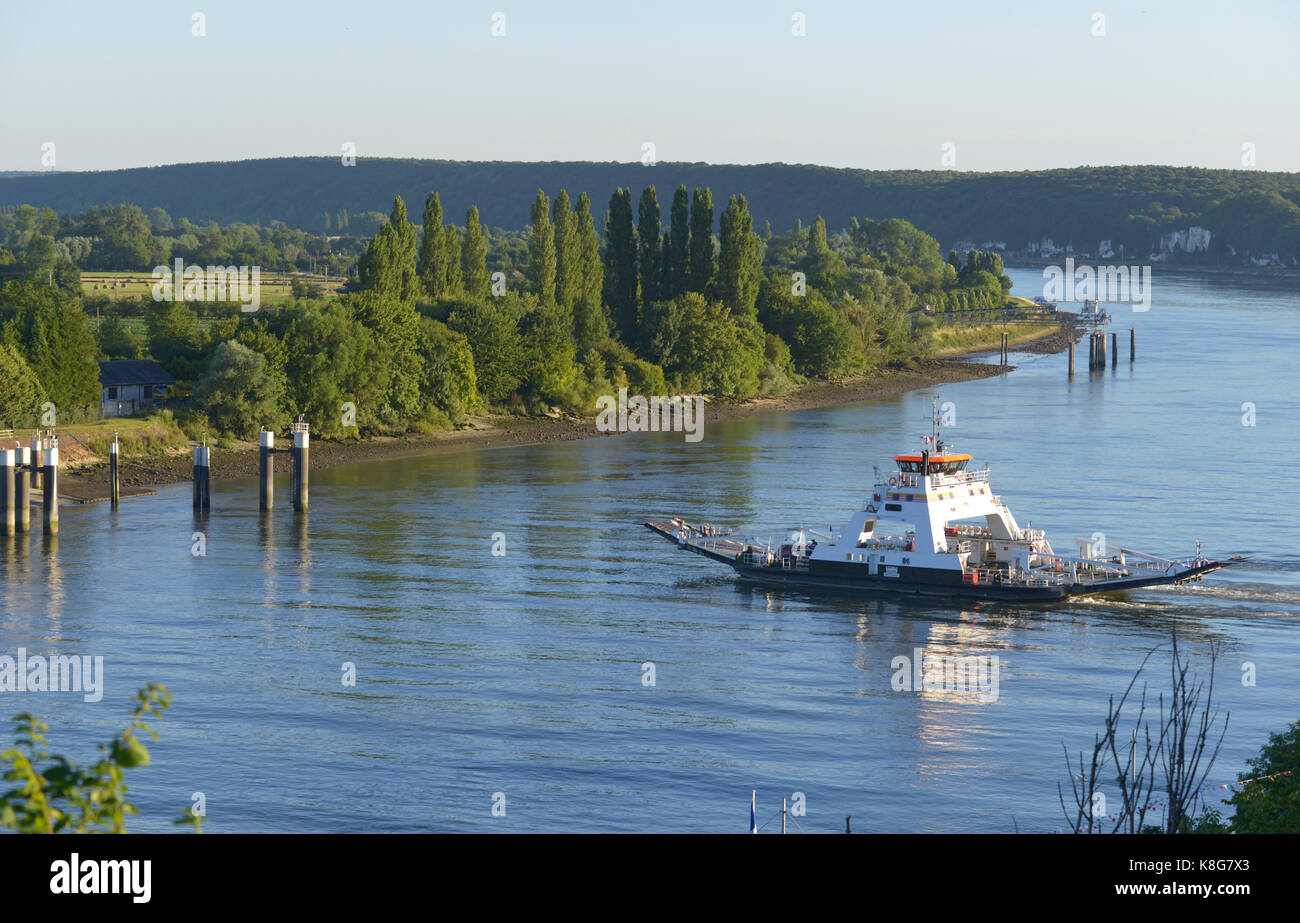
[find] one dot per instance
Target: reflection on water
(523, 672)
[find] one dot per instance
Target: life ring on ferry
(893, 482)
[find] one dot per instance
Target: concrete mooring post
(8, 458)
(114, 474)
(202, 497)
(266, 473)
(50, 486)
(23, 491)
(301, 442)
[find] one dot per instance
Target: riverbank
(85, 479)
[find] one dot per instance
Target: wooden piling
(1114, 350)
(266, 473)
(1071, 373)
(114, 474)
(8, 457)
(301, 443)
(1132, 344)
(202, 497)
(1101, 350)
(50, 486)
(23, 491)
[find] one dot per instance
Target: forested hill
(1251, 210)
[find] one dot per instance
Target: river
(520, 680)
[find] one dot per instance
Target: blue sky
(1013, 85)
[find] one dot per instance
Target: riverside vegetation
(441, 321)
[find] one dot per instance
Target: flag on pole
(753, 824)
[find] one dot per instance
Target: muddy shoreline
(88, 482)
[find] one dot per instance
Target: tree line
(1132, 206)
(434, 326)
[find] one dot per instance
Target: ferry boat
(934, 527)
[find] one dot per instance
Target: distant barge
(934, 529)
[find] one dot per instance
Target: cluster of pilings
(265, 470)
(1097, 350)
(22, 469)
(1005, 352)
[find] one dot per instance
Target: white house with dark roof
(126, 385)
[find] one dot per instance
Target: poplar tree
(433, 257)
(404, 251)
(388, 264)
(648, 233)
(739, 256)
(451, 284)
(699, 270)
(621, 264)
(589, 325)
(677, 245)
(568, 257)
(541, 250)
(473, 257)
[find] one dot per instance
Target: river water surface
(523, 674)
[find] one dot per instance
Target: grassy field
(275, 286)
(950, 340)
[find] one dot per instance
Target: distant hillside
(1253, 211)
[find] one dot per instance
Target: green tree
(621, 264)
(491, 326)
(826, 269)
(550, 360)
(739, 258)
(333, 358)
(116, 340)
(433, 255)
(589, 323)
(53, 795)
(821, 340)
(648, 245)
(395, 326)
(541, 250)
(568, 254)
(21, 394)
(1271, 805)
(448, 382)
(473, 258)
(53, 334)
(700, 268)
(388, 265)
(239, 394)
(705, 348)
(175, 339)
(451, 284)
(678, 244)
